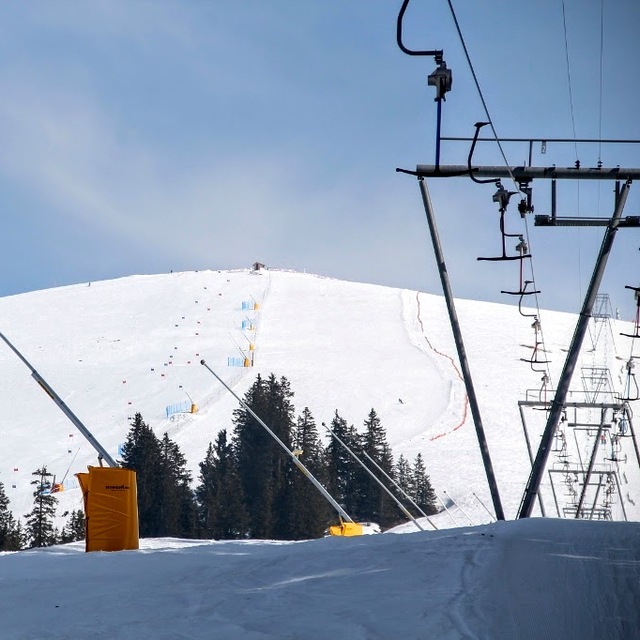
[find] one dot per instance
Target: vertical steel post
(457, 335)
(555, 498)
(530, 452)
(533, 484)
(592, 461)
(438, 124)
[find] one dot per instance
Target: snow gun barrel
(102, 452)
(290, 453)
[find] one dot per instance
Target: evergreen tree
(17, 538)
(232, 515)
(176, 503)
(40, 531)
(221, 510)
(341, 468)
(207, 494)
(10, 538)
(404, 475)
(422, 491)
(374, 502)
(264, 469)
(74, 529)
(6, 518)
(310, 512)
(141, 452)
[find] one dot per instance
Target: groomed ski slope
(535, 579)
(112, 348)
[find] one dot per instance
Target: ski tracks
(451, 365)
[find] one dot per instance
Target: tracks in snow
(453, 365)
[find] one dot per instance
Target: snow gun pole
(466, 515)
(102, 452)
(364, 466)
(297, 462)
(398, 487)
(244, 355)
(484, 507)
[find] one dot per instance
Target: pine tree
(10, 539)
(264, 469)
(6, 518)
(375, 503)
(341, 466)
(17, 538)
(75, 528)
(422, 491)
(221, 510)
(177, 505)
(207, 495)
(310, 511)
(232, 515)
(141, 452)
(40, 531)
(404, 475)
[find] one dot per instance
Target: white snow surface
(540, 578)
(113, 348)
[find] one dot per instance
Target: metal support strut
(457, 335)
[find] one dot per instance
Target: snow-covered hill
(114, 348)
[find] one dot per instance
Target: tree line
(247, 486)
(39, 529)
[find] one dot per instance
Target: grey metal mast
(297, 462)
(364, 466)
(462, 354)
(102, 452)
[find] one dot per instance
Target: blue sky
(144, 137)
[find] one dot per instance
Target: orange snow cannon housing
(111, 508)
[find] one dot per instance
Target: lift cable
(537, 300)
(502, 152)
(632, 390)
(566, 56)
(481, 95)
(600, 84)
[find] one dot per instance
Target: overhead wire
(601, 82)
(573, 127)
(502, 153)
(600, 86)
(566, 57)
(477, 83)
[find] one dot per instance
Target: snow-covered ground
(113, 348)
(540, 578)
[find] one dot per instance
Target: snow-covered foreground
(537, 578)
